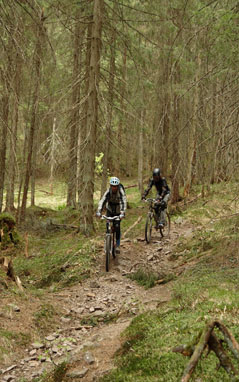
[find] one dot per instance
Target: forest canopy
(145, 83)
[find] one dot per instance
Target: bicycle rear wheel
(107, 252)
(166, 229)
(148, 229)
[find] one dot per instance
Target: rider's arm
(150, 185)
(123, 200)
(165, 188)
(103, 201)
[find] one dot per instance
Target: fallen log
(229, 339)
(210, 340)
(62, 226)
(215, 345)
(132, 226)
(197, 352)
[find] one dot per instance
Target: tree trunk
(34, 111)
(140, 155)
(86, 202)
(12, 163)
(82, 131)
(3, 148)
(108, 134)
(175, 151)
(74, 130)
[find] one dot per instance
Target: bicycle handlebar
(152, 200)
(110, 218)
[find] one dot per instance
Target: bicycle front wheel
(113, 249)
(107, 252)
(148, 229)
(166, 229)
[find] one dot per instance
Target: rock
(150, 257)
(52, 337)
(77, 373)
(88, 344)
(14, 307)
(33, 363)
(167, 252)
(113, 279)
(77, 310)
(8, 378)
(32, 352)
(98, 313)
(91, 295)
(55, 349)
(65, 319)
(94, 285)
(38, 345)
(9, 369)
(91, 310)
(88, 357)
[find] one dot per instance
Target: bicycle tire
(113, 247)
(107, 252)
(148, 229)
(166, 230)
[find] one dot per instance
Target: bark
(83, 132)
(230, 339)
(140, 156)
(52, 155)
(108, 135)
(193, 134)
(34, 112)
(225, 361)
(33, 172)
(120, 130)
(197, 352)
(13, 137)
(3, 147)
(175, 152)
(74, 130)
(86, 202)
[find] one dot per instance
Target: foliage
(144, 278)
(57, 375)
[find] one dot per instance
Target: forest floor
(92, 314)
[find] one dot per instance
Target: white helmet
(114, 181)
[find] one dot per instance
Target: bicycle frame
(110, 238)
(151, 211)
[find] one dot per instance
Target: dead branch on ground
(209, 339)
(132, 226)
(8, 268)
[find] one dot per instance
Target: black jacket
(114, 203)
(161, 186)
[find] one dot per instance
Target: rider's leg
(163, 215)
(118, 233)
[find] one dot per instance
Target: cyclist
(114, 199)
(163, 195)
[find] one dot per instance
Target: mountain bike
(154, 204)
(110, 239)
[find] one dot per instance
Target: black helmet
(156, 172)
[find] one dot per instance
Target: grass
(145, 278)
(57, 375)
(44, 318)
(11, 339)
(208, 290)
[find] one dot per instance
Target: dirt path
(96, 313)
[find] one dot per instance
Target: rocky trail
(97, 311)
